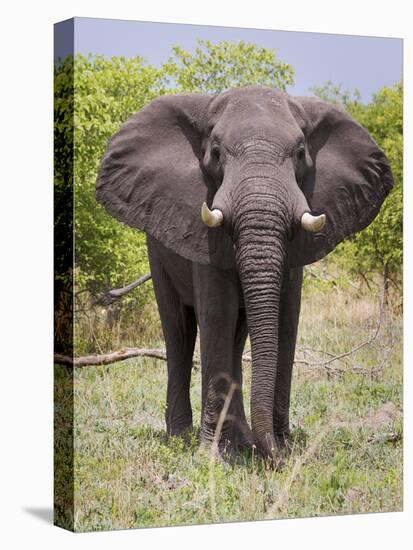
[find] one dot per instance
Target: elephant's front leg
(288, 326)
(222, 337)
(180, 329)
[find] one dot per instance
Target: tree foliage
(63, 204)
(217, 67)
(334, 93)
(63, 170)
(107, 92)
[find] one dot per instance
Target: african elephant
(237, 192)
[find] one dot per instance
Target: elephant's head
(284, 181)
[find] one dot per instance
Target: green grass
(347, 434)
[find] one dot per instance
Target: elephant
(236, 192)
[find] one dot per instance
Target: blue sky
(365, 63)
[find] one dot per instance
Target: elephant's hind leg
(180, 328)
(180, 348)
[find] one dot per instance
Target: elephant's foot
(269, 450)
(284, 442)
(275, 462)
(179, 426)
(282, 433)
(236, 439)
(235, 436)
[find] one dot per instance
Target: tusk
(211, 218)
(313, 223)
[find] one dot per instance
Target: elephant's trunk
(260, 230)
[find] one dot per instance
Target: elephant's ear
(348, 181)
(150, 178)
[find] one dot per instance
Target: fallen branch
(116, 293)
(108, 358)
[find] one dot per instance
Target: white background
(26, 208)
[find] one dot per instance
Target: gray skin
(263, 159)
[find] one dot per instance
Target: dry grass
(101, 329)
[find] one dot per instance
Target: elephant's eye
(215, 153)
(301, 151)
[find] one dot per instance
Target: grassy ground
(347, 433)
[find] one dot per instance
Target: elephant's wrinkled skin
(260, 159)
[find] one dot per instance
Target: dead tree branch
(108, 358)
(116, 293)
(326, 364)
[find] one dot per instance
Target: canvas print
(228, 274)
